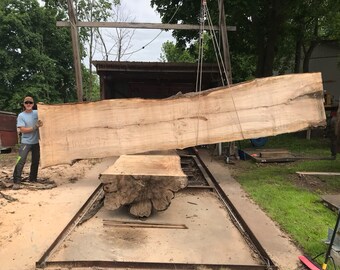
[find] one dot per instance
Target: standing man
(28, 124)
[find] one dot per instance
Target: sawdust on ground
(33, 216)
(30, 223)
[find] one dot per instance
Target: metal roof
(151, 67)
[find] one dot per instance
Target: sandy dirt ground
(30, 224)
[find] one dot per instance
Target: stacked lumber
(143, 182)
(259, 108)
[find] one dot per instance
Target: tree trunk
(144, 182)
(308, 54)
(268, 42)
(313, 44)
(298, 48)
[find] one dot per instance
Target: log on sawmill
(144, 182)
(259, 108)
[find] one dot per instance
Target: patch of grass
(292, 201)
(296, 143)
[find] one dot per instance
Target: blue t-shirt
(26, 119)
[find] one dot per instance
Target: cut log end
(141, 209)
(144, 182)
(164, 201)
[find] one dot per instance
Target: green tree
(242, 48)
(269, 35)
(92, 10)
(312, 23)
(87, 10)
(172, 53)
(35, 56)
(95, 93)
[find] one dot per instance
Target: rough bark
(267, 41)
(144, 182)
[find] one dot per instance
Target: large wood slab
(144, 182)
(263, 107)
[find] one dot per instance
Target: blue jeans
(23, 153)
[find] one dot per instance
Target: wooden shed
(8, 130)
(152, 79)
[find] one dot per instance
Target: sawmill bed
(199, 229)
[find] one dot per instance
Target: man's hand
(39, 124)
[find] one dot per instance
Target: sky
(141, 11)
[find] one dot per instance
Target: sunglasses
(28, 102)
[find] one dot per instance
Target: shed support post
(76, 51)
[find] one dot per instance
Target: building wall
(326, 59)
(152, 80)
(8, 130)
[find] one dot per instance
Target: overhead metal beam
(137, 25)
(74, 24)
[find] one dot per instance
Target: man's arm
(26, 129)
(31, 129)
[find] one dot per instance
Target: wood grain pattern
(262, 107)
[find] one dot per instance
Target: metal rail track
(210, 183)
(238, 220)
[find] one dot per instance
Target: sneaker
(16, 186)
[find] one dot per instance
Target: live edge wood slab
(258, 108)
(143, 182)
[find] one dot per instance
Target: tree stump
(144, 182)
